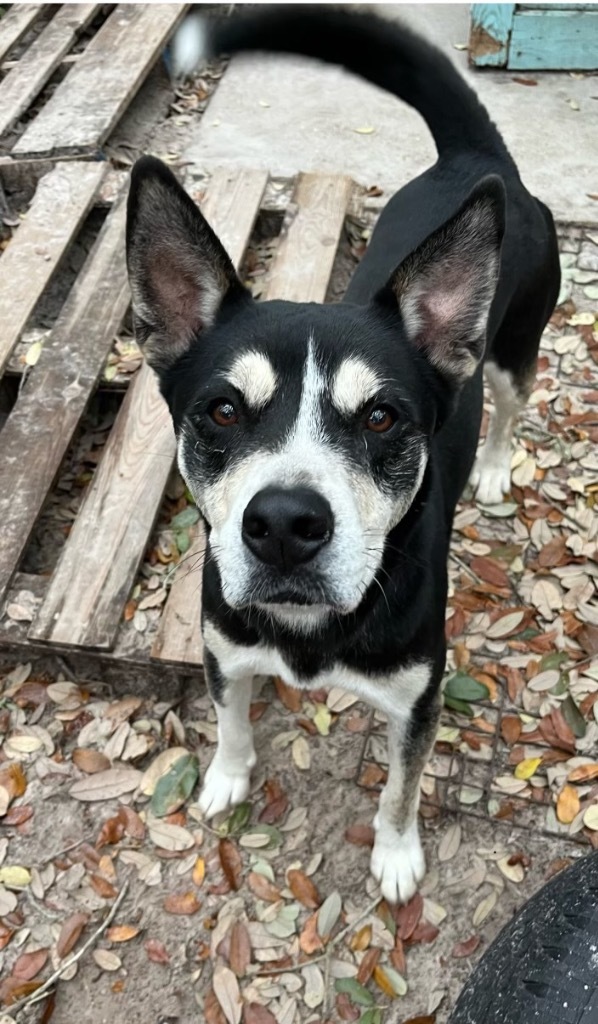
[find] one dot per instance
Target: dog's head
(304, 430)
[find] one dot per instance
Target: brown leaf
(102, 887)
(183, 903)
(230, 860)
(303, 889)
(274, 811)
(90, 761)
(13, 989)
(424, 932)
(239, 956)
(70, 932)
(584, 773)
(309, 940)
(555, 730)
(156, 952)
(199, 871)
(134, 826)
(372, 775)
(18, 816)
(111, 832)
(567, 805)
(255, 1013)
(397, 957)
(360, 835)
(212, 1009)
(408, 917)
(510, 729)
(467, 947)
(553, 553)
(383, 982)
(262, 887)
(368, 965)
(428, 1019)
(490, 571)
(288, 695)
(345, 1008)
(27, 965)
(588, 639)
(122, 932)
(524, 81)
(12, 779)
(362, 938)
(6, 934)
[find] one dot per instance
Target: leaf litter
(283, 921)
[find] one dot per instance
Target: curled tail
(383, 52)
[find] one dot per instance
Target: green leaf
(188, 517)
(553, 660)
(371, 1016)
(175, 787)
(461, 686)
(573, 717)
(182, 541)
(356, 992)
(238, 819)
(458, 705)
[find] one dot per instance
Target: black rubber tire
(543, 967)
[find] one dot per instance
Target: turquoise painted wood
(554, 40)
(535, 37)
(490, 33)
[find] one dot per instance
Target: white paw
(225, 785)
(491, 478)
(397, 862)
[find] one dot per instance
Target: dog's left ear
(446, 286)
(179, 272)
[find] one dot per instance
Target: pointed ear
(446, 287)
(178, 271)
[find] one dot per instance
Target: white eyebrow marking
(253, 375)
(354, 383)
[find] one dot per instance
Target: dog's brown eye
(380, 419)
(224, 413)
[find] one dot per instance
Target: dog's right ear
(178, 270)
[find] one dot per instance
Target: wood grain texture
(96, 570)
(489, 35)
(307, 249)
(61, 201)
(15, 23)
(301, 273)
(89, 101)
(32, 71)
(231, 206)
(41, 425)
(554, 40)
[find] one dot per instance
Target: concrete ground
(287, 115)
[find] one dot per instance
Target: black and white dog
(327, 446)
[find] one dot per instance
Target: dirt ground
(269, 915)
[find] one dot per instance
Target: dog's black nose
(285, 528)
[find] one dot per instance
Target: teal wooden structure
(534, 37)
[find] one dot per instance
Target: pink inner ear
(441, 307)
(179, 297)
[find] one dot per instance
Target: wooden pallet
(100, 80)
(534, 37)
(80, 607)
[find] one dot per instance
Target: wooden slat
(35, 67)
(301, 274)
(307, 249)
(61, 201)
(97, 567)
(40, 427)
(89, 101)
(16, 23)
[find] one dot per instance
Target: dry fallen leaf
(106, 785)
(90, 761)
(156, 951)
(27, 965)
(107, 960)
(567, 805)
(69, 934)
(122, 933)
(226, 990)
(183, 903)
(303, 889)
(240, 949)
(231, 862)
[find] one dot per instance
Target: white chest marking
(393, 695)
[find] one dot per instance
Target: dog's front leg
(227, 778)
(397, 858)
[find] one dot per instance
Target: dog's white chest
(393, 695)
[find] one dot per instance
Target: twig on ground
(28, 1001)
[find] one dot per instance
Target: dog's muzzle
(286, 527)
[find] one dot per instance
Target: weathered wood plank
(554, 40)
(35, 67)
(61, 201)
(40, 427)
(95, 572)
(489, 34)
(301, 274)
(16, 23)
(230, 206)
(307, 249)
(89, 101)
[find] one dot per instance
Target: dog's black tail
(383, 52)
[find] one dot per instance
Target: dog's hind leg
(397, 858)
(491, 475)
(227, 778)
